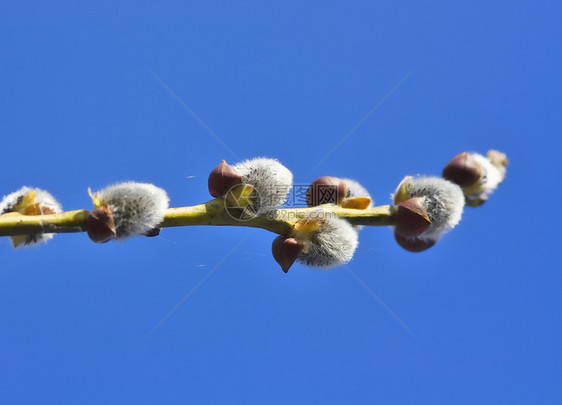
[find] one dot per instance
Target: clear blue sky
(81, 107)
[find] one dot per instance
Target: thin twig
(214, 212)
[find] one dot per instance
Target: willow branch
(280, 221)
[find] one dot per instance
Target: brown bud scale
(411, 218)
(325, 190)
(414, 245)
(285, 251)
(100, 225)
(463, 170)
(222, 178)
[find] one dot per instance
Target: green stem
(280, 221)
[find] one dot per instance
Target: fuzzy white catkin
(356, 190)
(136, 207)
(271, 182)
(442, 199)
(332, 244)
(45, 200)
(490, 177)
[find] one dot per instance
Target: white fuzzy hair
(332, 244)
(136, 207)
(271, 182)
(442, 199)
(45, 200)
(490, 178)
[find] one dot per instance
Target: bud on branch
(250, 193)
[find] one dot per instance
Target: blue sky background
(81, 107)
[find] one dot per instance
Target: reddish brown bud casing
(222, 178)
(100, 225)
(325, 190)
(463, 170)
(153, 232)
(285, 251)
(411, 218)
(414, 244)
